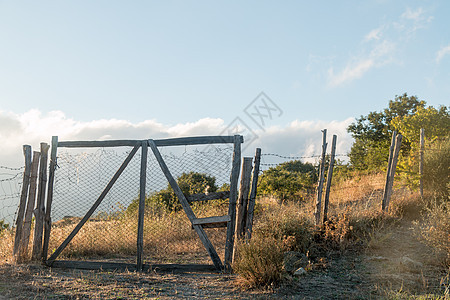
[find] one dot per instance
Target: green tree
(189, 183)
(372, 133)
(436, 123)
(291, 180)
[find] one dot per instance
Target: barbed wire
(12, 169)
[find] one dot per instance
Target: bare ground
(397, 266)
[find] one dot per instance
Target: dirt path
(396, 266)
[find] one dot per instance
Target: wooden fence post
(242, 205)
(234, 181)
(422, 147)
(40, 206)
(48, 210)
(329, 177)
(321, 178)
(23, 200)
(398, 143)
(140, 233)
(388, 171)
(23, 248)
(252, 199)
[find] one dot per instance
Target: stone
(299, 272)
(294, 260)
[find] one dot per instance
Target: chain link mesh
(111, 232)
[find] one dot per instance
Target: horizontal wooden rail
(185, 141)
(211, 220)
(97, 265)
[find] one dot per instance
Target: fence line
(10, 186)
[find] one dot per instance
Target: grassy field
(359, 252)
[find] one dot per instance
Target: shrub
(291, 180)
(260, 262)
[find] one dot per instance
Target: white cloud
(379, 46)
(350, 72)
(375, 34)
(33, 127)
(442, 52)
(415, 15)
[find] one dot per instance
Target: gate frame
(197, 223)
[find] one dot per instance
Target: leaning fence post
(329, 177)
(388, 171)
(23, 199)
(23, 248)
(398, 143)
(40, 206)
(321, 178)
(48, 210)
(252, 199)
(422, 147)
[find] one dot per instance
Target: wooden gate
(198, 224)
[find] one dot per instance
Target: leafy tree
(436, 123)
(189, 183)
(288, 181)
(372, 133)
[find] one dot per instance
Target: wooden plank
(111, 266)
(48, 210)
(329, 178)
(214, 225)
(142, 183)
(58, 251)
(211, 220)
(23, 200)
(39, 212)
(421, 157)
(198, 140)
(321, 179)
(242, 205)
(209, 196)
(398, 144)
(23, 248)
(253, 191)
(187, 209)
(234, 179)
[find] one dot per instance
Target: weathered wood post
(23, 248)
(422, 147)
(398, 144)
(253, 191)
(321, 179)
(388, 171)
(234, 181)
(329, 177)
(242, 206)
(48, 210)
(39, 212)
(23, 200)
(140, 231)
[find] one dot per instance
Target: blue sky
(141, 69)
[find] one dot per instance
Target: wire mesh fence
(10, 188)
(111, 232)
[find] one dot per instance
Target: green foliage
(436, 177)
(3, 226)
(189, 183)
(436, 123)
(291, 180)
(372, 133)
